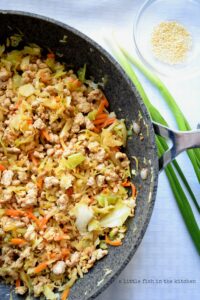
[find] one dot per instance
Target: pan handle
(181, 141)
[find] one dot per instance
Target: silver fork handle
(181, 141)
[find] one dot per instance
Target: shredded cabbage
(26, 90)
(109, 198)
(49, 294)
(84, 215)
(117, 216)
(74, 160)
(81, 73)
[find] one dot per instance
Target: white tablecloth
(166, 255)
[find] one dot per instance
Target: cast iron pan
(125, 101)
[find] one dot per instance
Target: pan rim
(98, 290)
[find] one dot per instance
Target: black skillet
(127, 104)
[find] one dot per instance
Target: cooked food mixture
(65, 192)
(171, 42)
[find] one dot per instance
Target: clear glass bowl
(153, 12)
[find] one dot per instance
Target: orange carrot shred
(52, 255)
(30, 121)
(97, 130)
(65, 252)
(34, 160)
(40, 182)
(45, 134)
(108, 122)
(133, 188)
(101, 108)
(65, 294)
(69, 191)
(134, 191)
(50, 55)
(101, 116)
(99, 121)
(2, 168)
(30, 215)
(126, 183)
(17, 241)
(17, 104)
(17, 283)
(105, 101)
(113, 243)
(13, 213)
(40, 267)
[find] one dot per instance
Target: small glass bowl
(153, 12)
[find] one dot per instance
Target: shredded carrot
(14, 213)
(97, 130)
(134, 191)
(115, 149)
(65, 252)
(99, 121)
(69, 191)
(40, 182)
(2, 168)
(19, 101)
(34, 159)
(52, 255)
(44, 221)
(30, 121)
(108, 122)
(50, 55)
(113, 243)
(126, 183)
(105, 101)
(31, 216)
(103, 104)
(65, 294)
(17, 241)
(29, 210)
(17, 283)
(61, 237)
(101, 116)
(40, 267)
(133, 188)
(45, 134)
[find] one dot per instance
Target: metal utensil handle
(181, 141)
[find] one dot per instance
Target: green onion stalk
(173, 168)
(182, 123)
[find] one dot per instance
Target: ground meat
(7, 196)
(74, 259)
(4, 74)
(59, 267)
(22, 175)
(79, 119)
(30, 234)
(39, 124)
(100, 155)
(31, 197)
(7, 177)
(93, 146)
(95, 95)
(91, 181)
(84, 107)
(100, 180)
(21, 290)
(50, 182)
(62, 201)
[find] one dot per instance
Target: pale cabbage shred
(88, 217)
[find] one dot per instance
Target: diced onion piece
(117, 216)
(26, 90)
(84, 215)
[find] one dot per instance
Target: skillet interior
(125, 101)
